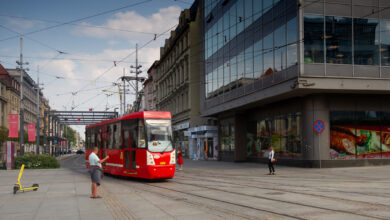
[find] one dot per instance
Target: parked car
(80, 152)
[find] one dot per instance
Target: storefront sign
(31, 132)
(181, 126)
(13, 125)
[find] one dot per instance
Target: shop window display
(282, 132)
(227, 136)
(359, 135)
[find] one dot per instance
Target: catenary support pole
(21, 128)
(38, 112)
(124, 92)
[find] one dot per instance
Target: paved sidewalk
(61, 195)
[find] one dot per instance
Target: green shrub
(2, 165)
(31, 161)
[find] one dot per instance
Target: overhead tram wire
(78, 24)
(87, 100)
(97, 88)
(70, 58)
(32, 39)
(79, 19)
(156, 36)
(121, 60)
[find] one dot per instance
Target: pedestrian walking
(95, 171)
(180, 159)
(271, 161)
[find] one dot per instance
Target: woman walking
(179, 159)
(271, 161)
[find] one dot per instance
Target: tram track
(264, 187)
(223, 212)
(384, 195)
(216, 205)
(288, 202)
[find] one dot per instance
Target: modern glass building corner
(272, 67)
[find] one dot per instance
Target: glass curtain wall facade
(346, 40)
(247, 40)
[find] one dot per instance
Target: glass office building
(246, 41)
(273, 67)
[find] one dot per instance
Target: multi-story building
(272, 68)
(3, 104)
(29, 97)
(150, 93)
(29, 104)
(10, 97)
(178, 85)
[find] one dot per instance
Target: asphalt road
(222, 190)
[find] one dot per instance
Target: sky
(83, 47)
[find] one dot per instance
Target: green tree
(70, 134)
(3, 134)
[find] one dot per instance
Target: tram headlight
(173, 157)
(149, 159)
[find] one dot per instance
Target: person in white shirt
(271, 161)
(96, 171)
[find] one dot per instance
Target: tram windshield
(159, 134)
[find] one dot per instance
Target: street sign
(319, 126)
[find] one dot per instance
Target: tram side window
(117, 136)
(99, 140)
(141, 134)
(126, 137)
(86, 140)
(130, 131)
(92, 140)
(108, 137)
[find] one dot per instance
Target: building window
(338, 40)
(385, 42)
(292, 41)
(366, 41)
(280, 48)
(227, 135)
(313, 38)
(268, 54)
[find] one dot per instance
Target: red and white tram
(139, 145)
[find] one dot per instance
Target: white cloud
(132, 21)
(23, 23)
(84, 74)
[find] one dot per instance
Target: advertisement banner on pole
(13, 125)
(31, 132)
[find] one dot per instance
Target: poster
(13, 125)
(31, 132)
(350, 142)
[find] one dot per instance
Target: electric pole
(137, 71)
(38, 112)
(124, 92)
(21, 70)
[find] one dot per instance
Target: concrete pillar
(315, 146)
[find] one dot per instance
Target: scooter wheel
(16, 188)
(35, 185)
